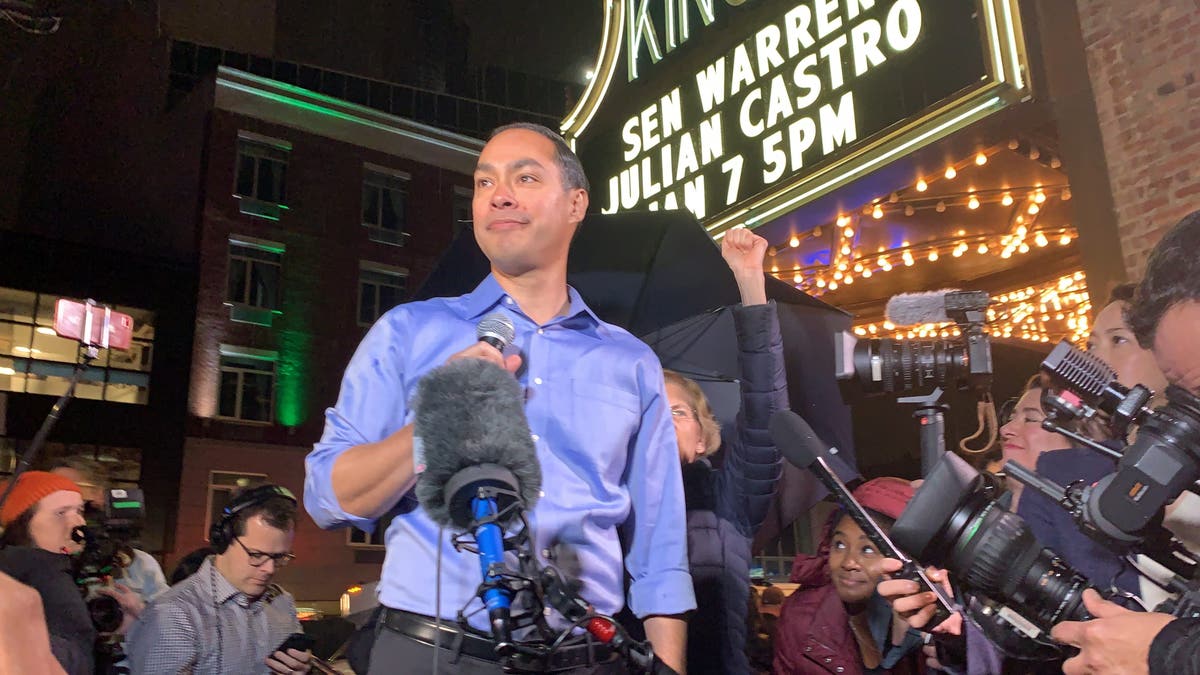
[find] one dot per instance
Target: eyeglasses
(258, 558)
(681, 412)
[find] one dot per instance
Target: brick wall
(1144, 62)
(325, 242)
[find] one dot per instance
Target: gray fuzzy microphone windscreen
(912, 309)
(470, 413)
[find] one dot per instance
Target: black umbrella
(704, 348)
(659, 276)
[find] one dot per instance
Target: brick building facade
(315, 217)
(1144, 64)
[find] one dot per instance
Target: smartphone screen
(69, 322)
(298, 641)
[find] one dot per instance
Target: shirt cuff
(320, 501)
(662, 593)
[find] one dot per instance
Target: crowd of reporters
(1147, 337)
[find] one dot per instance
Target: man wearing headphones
(228, 617)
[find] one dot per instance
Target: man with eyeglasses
(228, 617)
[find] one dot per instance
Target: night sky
(554, 38)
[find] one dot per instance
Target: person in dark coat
(835, 622)
(727, 503)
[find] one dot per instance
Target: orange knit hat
(31, 487)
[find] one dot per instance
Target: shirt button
(541, 331)
(827, 659)
(535, 437)
(841, 669)
(537, 380)
(808, 648)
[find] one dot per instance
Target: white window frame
(213, 488)
(246, 353)
(264, 245)
(261, 148)
(377, 268)
(382, 178)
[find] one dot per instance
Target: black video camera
(1018, 590)
(891, 365)
(107, 540)
(1126, 507)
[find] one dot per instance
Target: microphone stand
(930, 414)
(541, 588)
(489, 537)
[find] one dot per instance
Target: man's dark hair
(1172, 276)
(278, 512)
(1122, 293)
(190, 563)
(568, 162)
(17, 532)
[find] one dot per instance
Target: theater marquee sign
(740, 110)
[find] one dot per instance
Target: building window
(356, 538)
(462, 212)
(255, 268)
(385, 205)
(34, 360)
(380, 288)
(261, 181)
(221, 486)
(247, 389)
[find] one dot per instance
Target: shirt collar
(222, 590)
(488, 294)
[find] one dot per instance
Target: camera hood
(935, 511)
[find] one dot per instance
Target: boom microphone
(910, 309)
(801, 446)
(481, 466)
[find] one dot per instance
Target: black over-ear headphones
(221, 534)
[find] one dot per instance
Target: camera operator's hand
(291, 662)
(131, 604)
(1116, 641)
(915, 606)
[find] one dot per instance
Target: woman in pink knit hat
(835, 622)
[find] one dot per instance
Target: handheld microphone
(497, 330)
(481, 466)
(801, 446)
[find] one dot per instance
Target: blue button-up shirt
(601, 422)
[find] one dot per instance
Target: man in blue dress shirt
(595, 403)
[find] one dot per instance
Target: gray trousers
(396, 654)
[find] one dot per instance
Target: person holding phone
(228, 617)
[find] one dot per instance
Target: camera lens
(106, 613)
(952, 523)
(1000, 557)
(885, 365)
